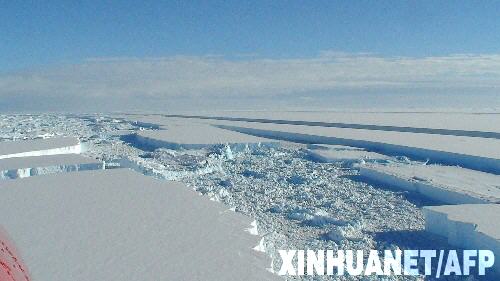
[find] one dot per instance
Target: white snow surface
(468, 121)
(120, 225)
(39, 147)
(449, 184)
(191, 135)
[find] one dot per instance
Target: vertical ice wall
(40, 147)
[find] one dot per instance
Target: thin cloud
(195, 76)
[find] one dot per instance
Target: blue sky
(45, 32)
(128, 54)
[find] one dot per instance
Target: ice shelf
(471, 152)
(195, 136)
(469, 226)
(21, 167)
(120, 225)
(156, 121)
(449, 123)
(448, 184)
(38, 147)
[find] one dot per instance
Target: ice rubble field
(299, 201)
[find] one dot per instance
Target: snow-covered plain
(297, 201)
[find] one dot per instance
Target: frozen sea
(297, 201)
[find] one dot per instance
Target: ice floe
(448, 184)
(196, 137)
(20, 167)
(469, 226)
(120, 225)
(345, 154)
(39, 147)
